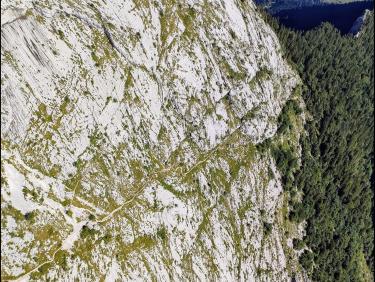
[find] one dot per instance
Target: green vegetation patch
(188, 18)
(336, 175)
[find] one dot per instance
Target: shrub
(298, 244)
(87, 232)
(162, 233)
(29, 216)
(267, 227)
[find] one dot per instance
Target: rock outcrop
(130, 133)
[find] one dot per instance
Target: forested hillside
(335, 178)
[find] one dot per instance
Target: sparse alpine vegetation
(132, 142)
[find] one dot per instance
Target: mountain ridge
(132, 138)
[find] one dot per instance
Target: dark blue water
(341, 16)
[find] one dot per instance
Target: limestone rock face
(130, 133)
(357, 26)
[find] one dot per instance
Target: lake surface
(341, 16)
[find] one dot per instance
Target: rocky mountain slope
(359, 23)
(131, 142)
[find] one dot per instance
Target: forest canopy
(336, 177)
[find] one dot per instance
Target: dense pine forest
(336, 176)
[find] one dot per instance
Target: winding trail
(67, 243)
